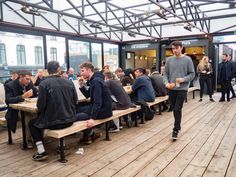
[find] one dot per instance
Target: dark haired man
(14, 76)
(56, 107)
(100, 105)
(225, 74)
(16, 91)
(142, 87)
(121, 99)
(179, 71)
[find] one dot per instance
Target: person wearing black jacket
(56, 107)
(225, 74)
(100, 106)
(15, 92)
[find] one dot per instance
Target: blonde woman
(204, 70)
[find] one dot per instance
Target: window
(56, 49)
(2, 54)
(111, 56)
(38, 55)
(97, 55)
(53, 54)
(79, 52)
(20, 54)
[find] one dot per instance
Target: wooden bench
(3, 121)
(157, 101)
(82, 125)
(193, 90)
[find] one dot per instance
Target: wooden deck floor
(206, 147)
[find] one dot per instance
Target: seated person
(121, 99)
(14, 76)
(38, 77)
(56, 107)
(100, 106)
(128, 78)
(15, 92)
(159, 87)
(71, 74)
(142, 87)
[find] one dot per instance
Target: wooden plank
(191, 89)
(156, 159)
(109, 158)
(231, 170)
(82, 125)
(25, 106)
(158, 100)
(201, 160)
(221, 159)
(217, 130)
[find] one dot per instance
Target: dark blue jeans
(177, 98)
(37, 133)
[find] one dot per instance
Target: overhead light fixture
(30, 10)
(95, 25)
(161, 13)
(188, 27)
(131, 34)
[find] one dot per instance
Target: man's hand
(180, 80)
(170, 86)
(90, 123)
(28, 94)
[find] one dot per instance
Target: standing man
(100, 106)
(179, 72)
(225, 74)
(56, 107)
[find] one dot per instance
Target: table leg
(23, 130)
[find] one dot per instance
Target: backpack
(147, 112)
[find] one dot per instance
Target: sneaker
(221, 100)
(39, 157)
(211, 99)
(175, 135)
(30, 144)
(114, 130)
(95, 136)
(85, 140)
(200, 99)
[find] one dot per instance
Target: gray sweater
(179, 68)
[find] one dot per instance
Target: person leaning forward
(15, 92)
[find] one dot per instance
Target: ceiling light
(95, 25)
(161, 13)
(131, 34)
(188, 27)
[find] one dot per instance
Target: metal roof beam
(98, 13)
(76, 9)
(115, 16)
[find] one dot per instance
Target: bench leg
(62, 151)
(9, 135)
(142, 119)
(193, 94)
(159, 105)
(107, 138)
